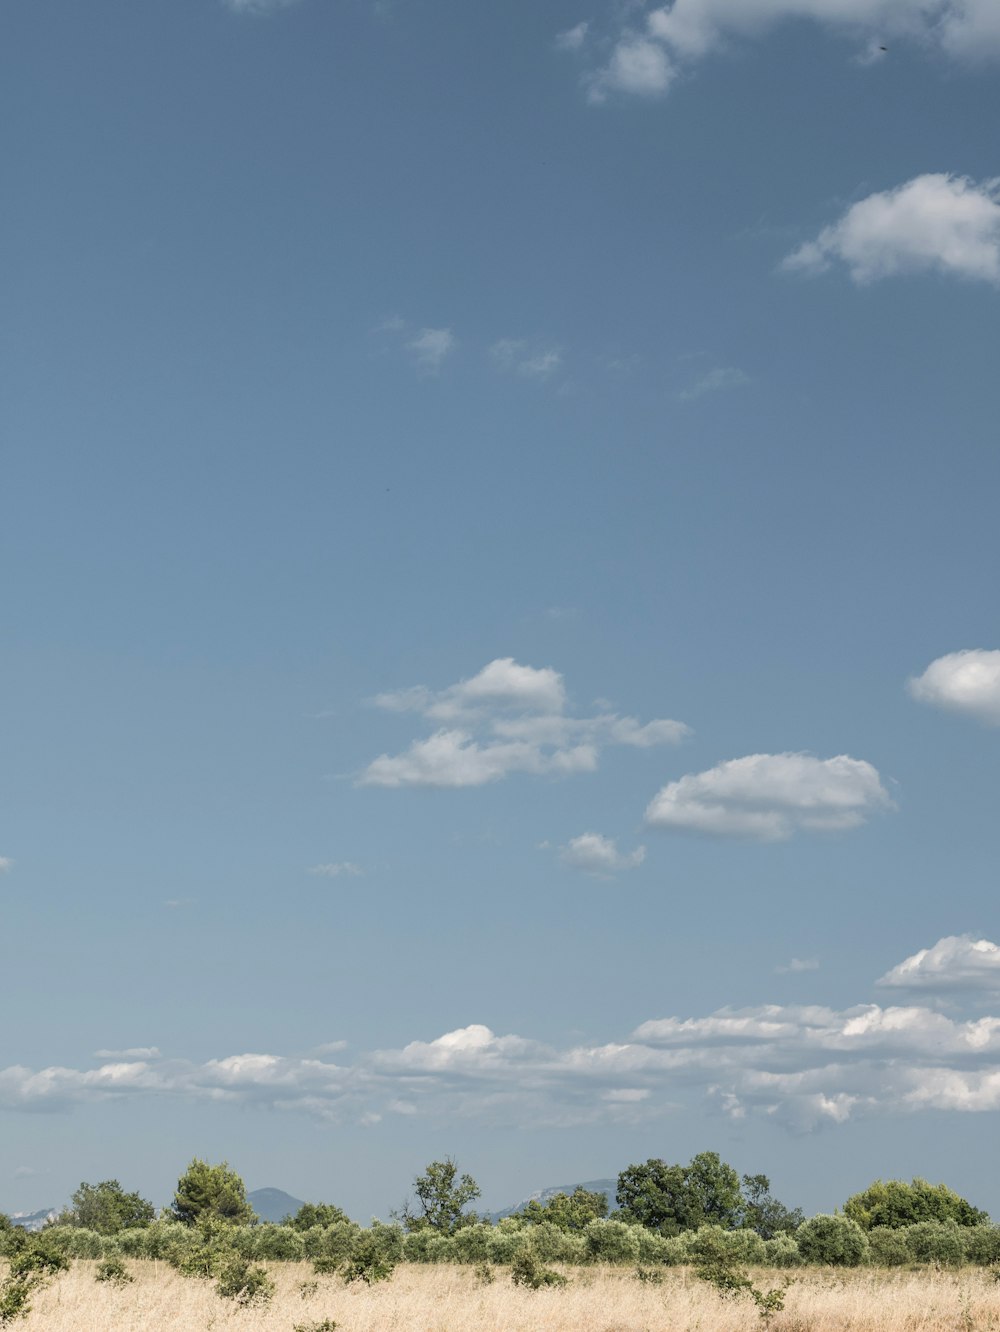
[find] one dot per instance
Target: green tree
(107, 1208)
(763, 1212)
(672, 1198)
(894, 1203)
(212, 1192)
(836, 1241)
(569, 1211)
(316, 1214)
(442, 1196)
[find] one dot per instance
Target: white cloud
(599, 855)
(719, 380)
(638, 65)
(958, 962)
(519, 357)
(771, 796)
(967, 681)
(800, 1065)
(6, 865)
(798, 964)
(507, 718)
(257, 6)
(337, 869)
(933, 223)
(136, 1052)
(678, 35)
(431, 348)
(573, 38)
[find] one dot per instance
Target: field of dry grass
(449, 1299)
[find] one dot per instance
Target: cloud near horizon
(507, 718)
(935, 223)
(769, 797)
(651, 51)
(803, 1066)
(966, 681)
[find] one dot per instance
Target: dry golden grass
(449, 1299)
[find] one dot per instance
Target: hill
(273, 1204)
(605, 1186)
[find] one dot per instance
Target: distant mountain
(273, 1204)
(605, 1186)
(31, 1220)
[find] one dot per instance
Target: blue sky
(500, 639)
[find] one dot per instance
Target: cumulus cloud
(645, 60)
(720, 380)
(431, 348)
(520, 357)
(599, 855)
(804, 1066)
(958, 962)
(769, 797)
(507, 718)
(933, 223)
(967, 681)
(337, 869)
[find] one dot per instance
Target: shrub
(555, 1245)
(655, 1248)
(471, 1244)
(935, 1242)
(485, 1274)
(735, 1246)
(650, 1275)
(888, 1247)
(505, 1243)
(375, 1254)
(114, 1272)
(245, 1284)
(982, 1244)
(781, 1251)
(326, 1266)
(528, 1270)
(31, 1267)
(275, 1243)
(834, 1240)
(612, 1242)
(326, 1325)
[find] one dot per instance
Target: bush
(887, 1247)
(31, 1268)
(375, 1254)
(505, 1243)
(275, 1243)
(471, 1244)
(836, 1241)
(733, 1246)
(655, 1249)
(555, 1245)
(612, 1242)
(326, 1325)
(114, 1272)
(781, 1251)
(982, 1244)
(245, 1284)
(528, 1270)
(935, 1242)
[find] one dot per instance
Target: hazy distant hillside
(605, 1186)
(273, 1204)
(31, 1220)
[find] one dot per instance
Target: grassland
(449, 1298)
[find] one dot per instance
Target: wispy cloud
(768, 797)
(6, 865)
(933, 223)
(518, 356)
(507, 718)
(257, 6)
(796, 965)
(337, 869)
(647, 57)
(966, 681)
(431, 348)
(804, 1066)
(599, 855)
(136, 1052)
(720, 380)
(573, 38)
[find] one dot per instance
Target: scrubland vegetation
(688, 1247)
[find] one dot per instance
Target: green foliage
(326, 1266)
(936, 1242)
(114, 1272)
(31, 1267)
(732, 1246)
(213, 1191)
(673, 1198)
(485, 1274)
(307, 1289)
(568, 1211)
(733, 1282)
(612, 1242)
(893, 1202)
(324, 1325)
(245, 1284)
(316, 1214)
(107, 1209)
(651, 1276)
(834, 1240)
(887, 1246)
(763, 1213)
(982, 1244)
(375, 1254)
(527, 1269)
(782, 1251)
(442, 1196)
